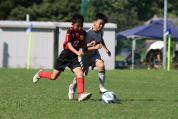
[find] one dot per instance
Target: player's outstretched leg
(72, 89)
(36, 77)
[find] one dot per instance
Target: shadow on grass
(120, 101)
(92, 100)
(148, 100)
(99, 100)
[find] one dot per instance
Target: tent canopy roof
(154, 30)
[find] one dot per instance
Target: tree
(48, 10)
(6, 6)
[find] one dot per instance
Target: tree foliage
(47, 10)
(6, 6)
(125, 13)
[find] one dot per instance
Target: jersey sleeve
(68, 38)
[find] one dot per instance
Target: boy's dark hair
(100, 16)
(77, 18)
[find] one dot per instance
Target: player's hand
(108, 52)
(92, 43)
(80, 54)
(98, 46)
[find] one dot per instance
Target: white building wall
(14, 43)
(42, 53)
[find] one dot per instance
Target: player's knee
(100, 66)
(53, 78)
(80, 74)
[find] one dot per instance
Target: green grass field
(141, 94)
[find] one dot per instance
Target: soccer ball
(109, 97)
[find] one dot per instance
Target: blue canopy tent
(152, 30)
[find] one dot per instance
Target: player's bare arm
(97, 46)
(92, 43)
(106, 49)
(74, 50)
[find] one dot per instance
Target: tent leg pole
(133, 49)
(165, 36)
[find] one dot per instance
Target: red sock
(45, 74)
(80, 85)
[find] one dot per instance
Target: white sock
(101, 75)
(74, 83)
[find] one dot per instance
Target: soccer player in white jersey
(91, 55)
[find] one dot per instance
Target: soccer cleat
(84, 96)
(71, 92)
(36, 77)
(102, 90)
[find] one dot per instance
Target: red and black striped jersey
(76, 38)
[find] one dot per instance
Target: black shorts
(67, 59)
